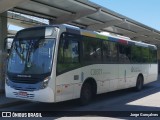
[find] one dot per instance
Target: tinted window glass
(68, 55)
(153, 56)
(136, 54)
(113, 50)
(124, 53)
(109, 52)
(91, 50)
(145, 55)
(106, 52)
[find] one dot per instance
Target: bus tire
(86, 94)
(139, 84)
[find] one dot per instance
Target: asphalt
(8, 102)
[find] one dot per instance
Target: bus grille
(30, 96)
(25, 80)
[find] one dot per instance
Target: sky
(146, 12)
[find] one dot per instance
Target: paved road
(124, 100)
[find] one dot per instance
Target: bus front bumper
(44, 95)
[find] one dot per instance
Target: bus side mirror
(8, 43)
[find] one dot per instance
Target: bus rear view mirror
(8, 43)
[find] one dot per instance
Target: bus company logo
(6, 114)
(26, 76)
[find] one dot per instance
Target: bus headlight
(45, 82)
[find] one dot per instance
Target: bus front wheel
(139, 84)
(86, 94)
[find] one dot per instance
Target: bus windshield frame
(32, 54)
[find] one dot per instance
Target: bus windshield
(31, 56)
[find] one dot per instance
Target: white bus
(59, 63)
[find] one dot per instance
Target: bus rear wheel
(139, 84)
(86, 94)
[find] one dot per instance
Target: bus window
(109, 52)
(145, 55)
(124, 53)
(91, 50)
(153, 56)
(113, 48)
(106, 54)
(68, 55)
(136, 54)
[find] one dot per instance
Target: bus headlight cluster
(45, 82)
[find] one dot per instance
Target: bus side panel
(145, 72)
(137, 69)
(153, 73)
(113, 76)
(127, 77)
(132, 72)
(106, 76)
(67, 84)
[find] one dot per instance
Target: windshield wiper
(18, 53)
(33, 45)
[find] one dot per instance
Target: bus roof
(121, 40)
(78, 31)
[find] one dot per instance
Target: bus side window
(113, 50)
(145, 55)
(110, 52)
(124, 53)
(68, 54)
(91, 50)
(153, 56)
(136, 54)
(106, 52)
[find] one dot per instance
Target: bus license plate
(21, 93)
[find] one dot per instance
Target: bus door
(68, 67)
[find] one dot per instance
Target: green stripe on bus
(102, 37)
